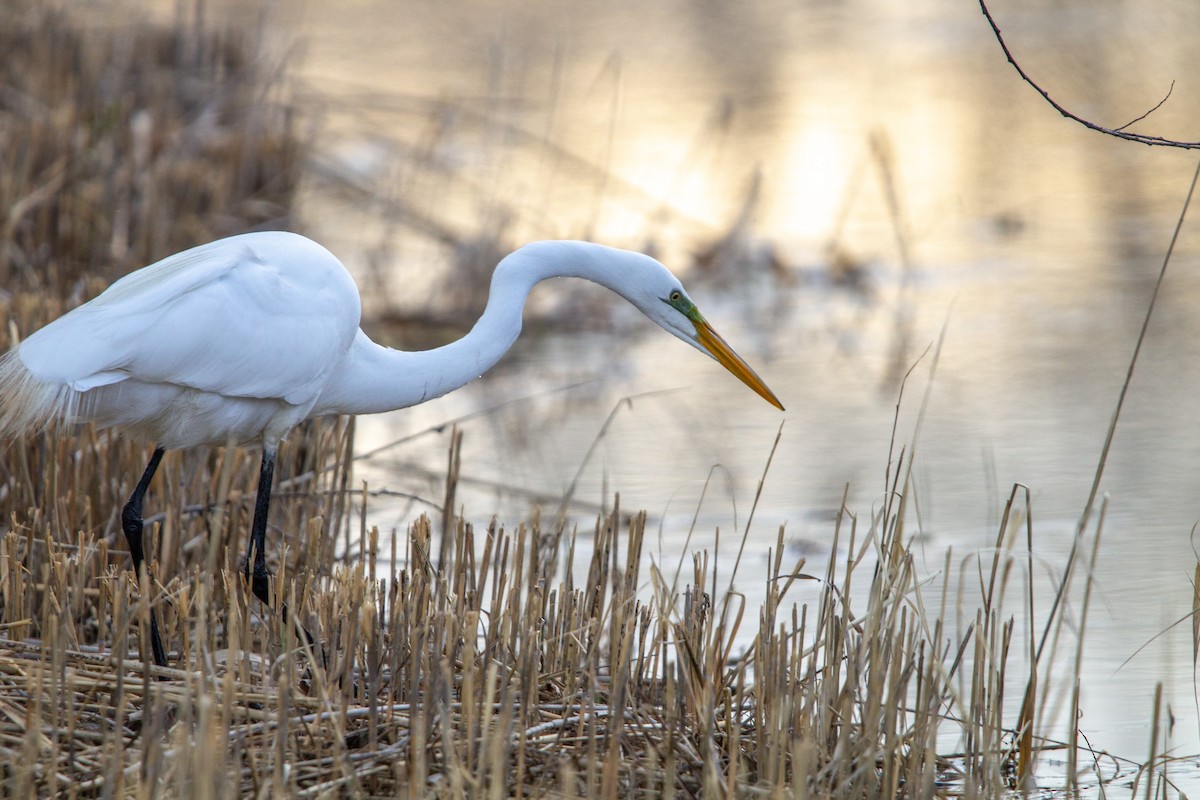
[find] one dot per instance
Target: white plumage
(233, 338)
(245, 337)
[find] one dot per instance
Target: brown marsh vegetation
(118, 147)
(466, 661)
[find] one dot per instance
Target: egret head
(638, 278)
(662, 298)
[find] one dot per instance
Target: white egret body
(246, 337)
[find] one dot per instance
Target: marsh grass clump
(122, 144)
(518, 662)
(535, 661)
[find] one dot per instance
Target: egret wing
(262, 315)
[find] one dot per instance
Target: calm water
(1032, 242)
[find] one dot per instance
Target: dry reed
(493, 671)
(525, 662)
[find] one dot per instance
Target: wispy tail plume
(27, 404)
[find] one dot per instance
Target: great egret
(243, 338)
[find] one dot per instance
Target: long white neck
(373, 378)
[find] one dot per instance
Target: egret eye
(676, 296)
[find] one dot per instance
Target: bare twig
(1156, 107)
(1119, 133)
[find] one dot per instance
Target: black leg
(260, 577)
(131, 523)
(260, 580)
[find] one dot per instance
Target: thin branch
(1119, 133)
(1157, 106)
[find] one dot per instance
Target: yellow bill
(723, 353)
